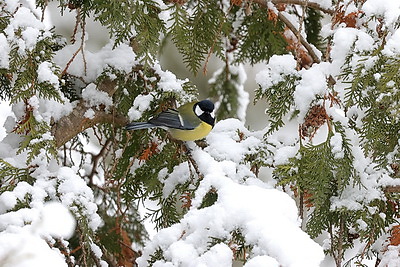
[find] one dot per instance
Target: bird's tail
(139, 125)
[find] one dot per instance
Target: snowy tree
(317, 186)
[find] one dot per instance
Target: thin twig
(95, 161)
(302, 40)
(298, 34)
(46, 2)
(312, 5)
(77, 23)
(70, 61)
(193, 162)
(83, 27)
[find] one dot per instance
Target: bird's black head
(205, 111)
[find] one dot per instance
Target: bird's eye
(198, 111)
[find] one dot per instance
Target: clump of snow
(11, 5)
(4, 52)
(121, 58)
(392, 44)
(7, 201)
(343, 41)
(243, 96)
(46, 74)
(312, 83)
(95, 97)
(389, 10)
(89, 114)
(179, 175)
(277, 67)
(74, 191)
(262, 261)
(283, 154)
(26, 249)
(225, 142)
(336, 143)
(55, 220)
(24, 19)
(140, 104)
(30, 36)
(390, 257)
(168, 81)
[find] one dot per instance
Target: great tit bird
(191, 121)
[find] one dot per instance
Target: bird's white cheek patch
(212, 114)
(198, 111)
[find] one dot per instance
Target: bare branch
(312, 5)
(305, 3)
(392, 189)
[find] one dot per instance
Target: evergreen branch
(74, 123)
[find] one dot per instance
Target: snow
(237, 208)
(94, 97)
(277, 65)
(389, 10)
(283, 154)
(391, 257)
(24, 19)
(11, 5)
(27, 250)
(74, 191)
(336, 142)
(4, 52)
(392, 47)
(262, 261)
(168, 81)
(140, 105)
(120, 58)
(225, 143)
(179, 175)
(22, 244)
(55, 220)
(313, 83)
(89, 114)
(30, 35)
(46, 74)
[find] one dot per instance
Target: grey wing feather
(170, 118)
(139, 125)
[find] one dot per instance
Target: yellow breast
(190, 135)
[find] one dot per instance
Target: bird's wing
(138, 125)
(171, 119)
